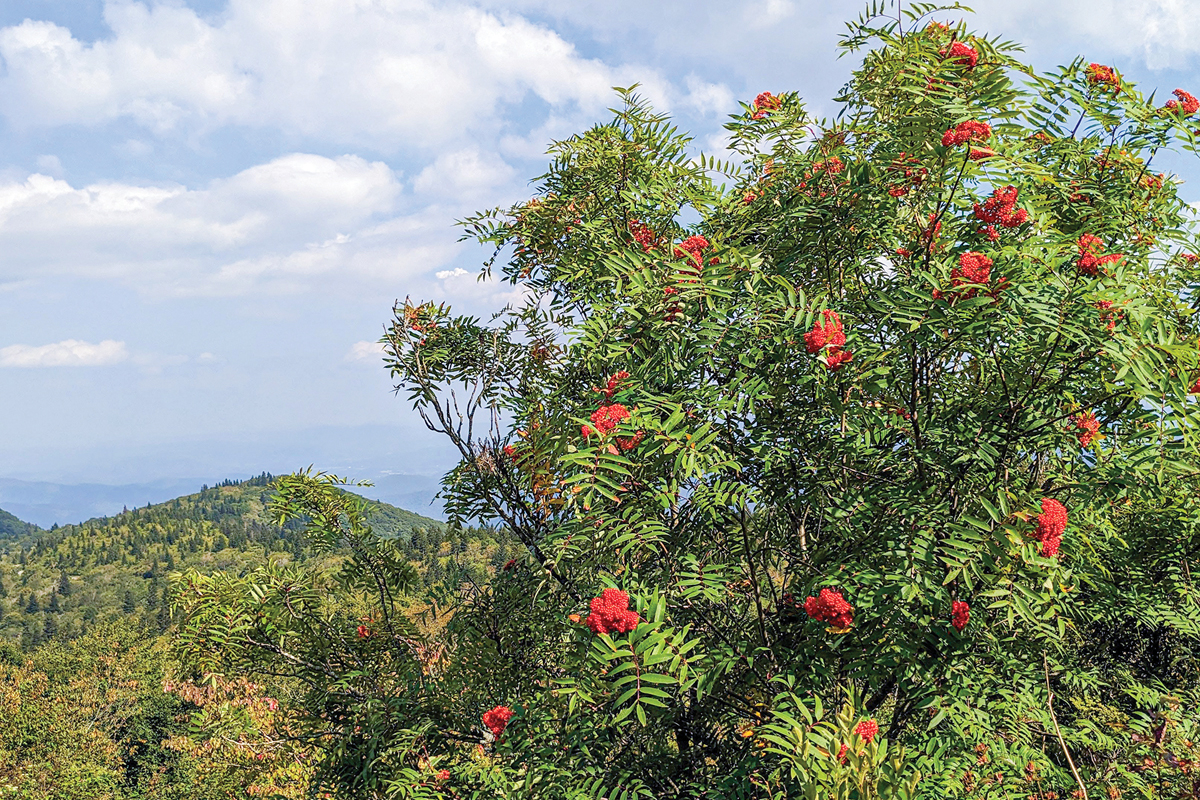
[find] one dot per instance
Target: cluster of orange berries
(966, 133)
(765, 103)
(1101, 75)
(1092, 259)
(1086, 427)
(827, 334)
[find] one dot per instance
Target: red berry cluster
(1186, 103)
(1100, 74)
(1091, 256)
(914, 174)
(973, 268)
(765, 103)
(827, 334)
(830, 166)
(960, 614)
(960, 53)
(1086, 428)
(829, 606)
(613, 383)
(1000, 209)
(693, 247)
(497, 719)
(610, 613)
(867, 729)
(964, 132)
(606, 418)
(833, 166)
(1107, 315)
(1050, 526)
(609, 415)
(644, 235)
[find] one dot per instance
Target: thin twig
(1057, 732)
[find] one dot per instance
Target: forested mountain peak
(58, 582)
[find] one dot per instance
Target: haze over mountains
(58, 583)
(404, 463)
(44, 503)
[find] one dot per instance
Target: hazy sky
(207, 208)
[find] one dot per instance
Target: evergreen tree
(64, 583)
(128, 604)
(53, 606)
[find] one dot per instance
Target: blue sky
(207, 208)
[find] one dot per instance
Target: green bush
(879, 436)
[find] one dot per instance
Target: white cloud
(296, 215)
(50, 164)
(463, 173)
(1161, 33)
(365, 351)
(457, 272)
(387, 72)
(773, 11)
(67, 353)
(709, 98)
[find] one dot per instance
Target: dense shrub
(862, 464)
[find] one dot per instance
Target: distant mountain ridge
(59, 581)
(45, 503)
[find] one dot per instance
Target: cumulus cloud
(709, 98)
(67, 353)
(463, 173)
(296, 215)
(389, 73)
(1161, 33)
(365, 351)
(50, 164)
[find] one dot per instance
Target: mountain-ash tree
(860, 464)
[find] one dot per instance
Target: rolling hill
(56, 583)
(11, 527)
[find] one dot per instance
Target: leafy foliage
(12, 527)
(856, 358)
(90, 720)
(57, 583)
